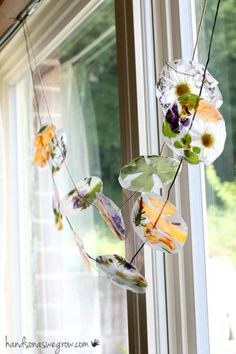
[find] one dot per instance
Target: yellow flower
(41, 143)
(59, 223)
(163, 223)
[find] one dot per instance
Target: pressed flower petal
(80, 244)
(208, 112)
(185, 122)
(148, 173)
(122, 273)
(38, 142)
(47, 134)
(112, 215)
(169, 233)
(81, 197)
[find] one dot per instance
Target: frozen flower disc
(81, 197)
(50, 144)
(112, 215)
(122, 273)
(168, 234)
(182, 77)
(58, 150)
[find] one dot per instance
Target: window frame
(179, 322)
(186, 290)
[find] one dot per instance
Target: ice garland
(193, 129)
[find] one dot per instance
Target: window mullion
(149, 144)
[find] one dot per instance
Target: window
(80, 79)
(62, 300)
(221, 186)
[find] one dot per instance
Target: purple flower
(78, 200)
(118, 222)
(175, 120)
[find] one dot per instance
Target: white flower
(182, 77)
(210, 137)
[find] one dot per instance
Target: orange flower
(208, 112)
(168, 242)
(163, 223)
(152, 237)
(155, 238)
(41, 143)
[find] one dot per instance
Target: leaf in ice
(147, 174)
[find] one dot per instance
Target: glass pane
(80, 84)
(221, 183)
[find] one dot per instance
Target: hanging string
(126, 201)
(199, 28)
(162, 149)
(140, 248)
(177, 71)
(26, 35)
(32, 76)
(30, 44)
(194, 115)
(93, 259)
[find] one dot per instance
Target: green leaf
(191, 157)
(42, 129)
(167, 131)
(196, 149)
(82, 196)
(186, 139)
(148, 173)
(190, 100)
(123, 261)
(178, 145)
(93, 189)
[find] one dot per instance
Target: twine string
(32, 76)
(199, 28)
(29, 45)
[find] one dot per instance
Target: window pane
(221, 183)
(80, 83)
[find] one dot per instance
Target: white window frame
(177, 313)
